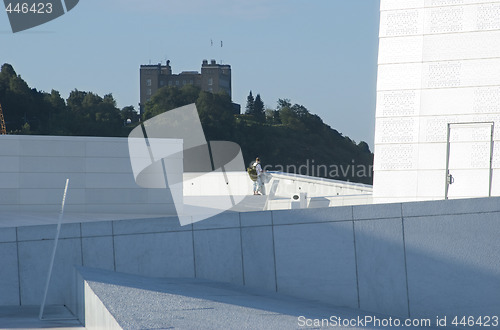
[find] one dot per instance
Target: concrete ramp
(116, 300)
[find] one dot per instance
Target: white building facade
(438, 100)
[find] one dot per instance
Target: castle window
(148, 92)
(210, 81)
(148, 82)
(177, 83)
(162, 82)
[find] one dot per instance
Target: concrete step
(137, 302)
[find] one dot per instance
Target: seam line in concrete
(274, 254)
(241, 251)
(46, 239)
(255, 226)
(150, 233)
(81, 244)
(406, 266)
(97, 236)
(18, 269)
(377, 219)
(229, 227)
(448, 214)
(313, 222)
(194, 252)
(113, 242)
(356, 259)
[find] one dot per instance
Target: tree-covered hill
(29, 111)
(288, 138)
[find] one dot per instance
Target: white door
(469, 160)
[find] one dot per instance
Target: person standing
(257, 184)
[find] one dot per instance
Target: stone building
(213, 78)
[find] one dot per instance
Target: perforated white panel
(439, 63)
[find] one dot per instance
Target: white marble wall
(404, 259)
(439, 63)
(35, 168)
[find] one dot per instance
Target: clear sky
(318, 53)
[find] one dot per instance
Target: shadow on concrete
(26, 317)
(144, 302)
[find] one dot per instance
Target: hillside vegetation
(288, 138)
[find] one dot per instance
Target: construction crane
(3, 129)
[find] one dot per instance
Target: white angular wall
(439, 63)
(404, 259)
(34, 170)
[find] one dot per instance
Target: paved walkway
(26, 317)
(152, 303)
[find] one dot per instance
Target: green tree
(108, 98)
(216, 115)
(6, 74)
(75, 100)
(258, 109)
(89, 104)
(364, 147)
(168, 98)
(129, 113)
(291, 134)
(249, 109)
(26, 129)
(91, 114)
(288, 116)
(272, 116)
(17, 99)
(55, 101)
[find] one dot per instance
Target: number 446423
(24, 8)
(470, 321)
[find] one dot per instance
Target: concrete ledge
(286, 217)
(218, 255)
(376, 211)
(257, 245)
(381, 266)
(7, 235)
(143, 226)
(47, 232)
(167, 254)
(222, 220)
(453, 262)
(101, 228)
(252, 219)
(317, 261)
(421, 265)
(9, 276)
(98, 252)
(451, 206)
